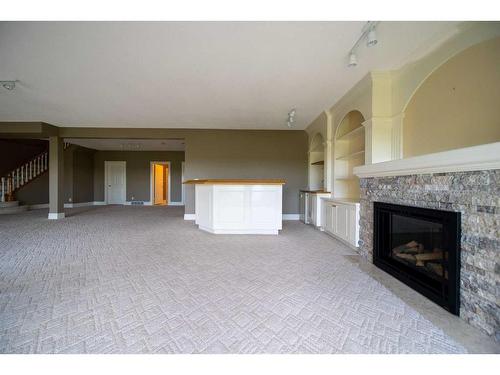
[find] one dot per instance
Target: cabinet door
(352, 226)
(310, 200)
(314, 210)
(328, 219)
(333, 218)
(342, 222)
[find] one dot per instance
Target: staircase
(19, 177)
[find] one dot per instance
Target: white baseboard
(291, 217)
(67, 205)
(176, 204)
(239, 231)
(189, 216)
(56, 215)
(80, 204)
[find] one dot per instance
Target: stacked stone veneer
(477, 196)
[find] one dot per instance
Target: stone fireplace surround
(466, 181)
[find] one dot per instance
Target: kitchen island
(238, 206)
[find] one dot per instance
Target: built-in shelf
(351, 155)
(321, 162)
(349, 150)
(348, 135)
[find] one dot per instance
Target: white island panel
(239, 209)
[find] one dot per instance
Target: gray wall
(138, 172)
(83, 175)
(78, 180)
(14, 152)
(248, 154)
(36, 192)
(216, 154)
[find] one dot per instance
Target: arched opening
(349, 153)
(317, 162)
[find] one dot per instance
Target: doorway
(160, 183)
(115, 182)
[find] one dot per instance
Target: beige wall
(458, 105)
(249, 154)
(138, 172)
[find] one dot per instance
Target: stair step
(12, 210)
(9, 204)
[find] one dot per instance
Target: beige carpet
(124, 279)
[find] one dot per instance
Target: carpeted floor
(122, 279)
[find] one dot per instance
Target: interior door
(159, 170)
(115, 182)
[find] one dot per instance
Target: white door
(115, 182)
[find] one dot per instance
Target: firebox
(420, 247)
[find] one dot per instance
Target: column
(56, 178)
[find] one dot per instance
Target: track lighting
(8, 85)
(368, 33)
(353, 60)
(291, 118)
(371, 39)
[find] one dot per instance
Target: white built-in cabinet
(315, 214)
(340, 218)
(310, 207)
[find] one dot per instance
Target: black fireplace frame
(452, 234)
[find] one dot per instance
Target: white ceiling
(239, 75)
(129, 144)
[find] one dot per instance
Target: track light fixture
(353, 60)
(291, 118)
(8, 85)
(368, 33)
(371, 38)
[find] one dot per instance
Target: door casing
(152, 181)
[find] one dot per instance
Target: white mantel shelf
(476, 158)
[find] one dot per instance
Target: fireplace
(420, 247)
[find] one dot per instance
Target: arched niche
(317, 162)
(349, 152)
(456, 105)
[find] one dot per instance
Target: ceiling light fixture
(368, 33)
(9, 85)
(291, 117)
(371, 38)
(353, 60)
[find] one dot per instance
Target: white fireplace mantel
(476, 158)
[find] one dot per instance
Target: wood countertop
(315, 191)
(235, 181)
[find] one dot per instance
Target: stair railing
(23, 174)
